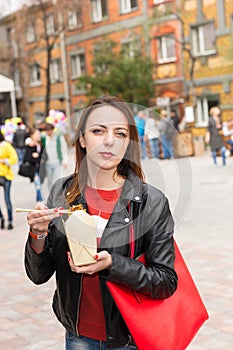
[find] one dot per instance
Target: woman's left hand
(103, 261)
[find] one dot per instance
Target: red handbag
(168, 324)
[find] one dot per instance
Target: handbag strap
(131, 237)
(131, 241)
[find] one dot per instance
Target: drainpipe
(64, 71)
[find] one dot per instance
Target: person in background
(109, 183)
(175, 119)
(227, 129)
(36, 156)
(56, 149)
(140, 120)
(8, 157)
(152, 134)
(213, 136)
(167, 131)
(18, 141)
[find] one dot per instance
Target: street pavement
(200, 196)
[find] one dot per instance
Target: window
(30, 33)
(128, 5)
(38, 116)
(130, 48)
(72, 19)
(204, 103)
(34, 74)
(99, 10)
(78, 66)
(17, 79)
(157, 2)
(166, 48)
(50, 27)
(17, 84)
(203, 39)
(55, 71)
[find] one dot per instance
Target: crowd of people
(157, 133)
(39, 153)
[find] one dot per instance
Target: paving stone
(203, 232)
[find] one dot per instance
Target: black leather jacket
(153, 225)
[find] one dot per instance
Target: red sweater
(91, 322)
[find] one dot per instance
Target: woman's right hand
(39, 219)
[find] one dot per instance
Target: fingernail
(96, 257)
(55, 210)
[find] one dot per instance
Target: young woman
(108, 182)
(8, 157)
(36, 157)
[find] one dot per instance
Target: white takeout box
(80, 230)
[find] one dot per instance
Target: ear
(82, 141)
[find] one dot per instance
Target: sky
(7, 6)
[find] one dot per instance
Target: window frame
(162, 48)
(30, 33)
(97, 10)
(198, 40)
(55, 70)
(34, 72)
(76, 65)
(50, 24)
(159, 2)
(202, 112)
(126, 6)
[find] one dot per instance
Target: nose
(109, 138)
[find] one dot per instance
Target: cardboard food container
(80, 230)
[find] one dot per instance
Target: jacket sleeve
(158, 278)
(39, 267)
(12, 156)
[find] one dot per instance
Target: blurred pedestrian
(35, 159)
(152, 134)
(109, 183)
(140, 120)
(175, 119)
(8, 157)
(167, 131)
(18, 141)
(227, 128)
(213, 135)
(56, 149)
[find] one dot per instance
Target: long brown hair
(131, 159)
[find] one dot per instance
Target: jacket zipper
(78, 305)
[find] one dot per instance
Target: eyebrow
(105, 127)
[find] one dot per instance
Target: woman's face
(106, 138)
(36, 136)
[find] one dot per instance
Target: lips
(107, 154)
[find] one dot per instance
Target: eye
(97, 131)
(121, 134)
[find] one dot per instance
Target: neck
(105, 180)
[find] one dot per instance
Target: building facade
(189, 41)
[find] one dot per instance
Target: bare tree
(48, 33)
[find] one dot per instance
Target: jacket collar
(132, 190)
